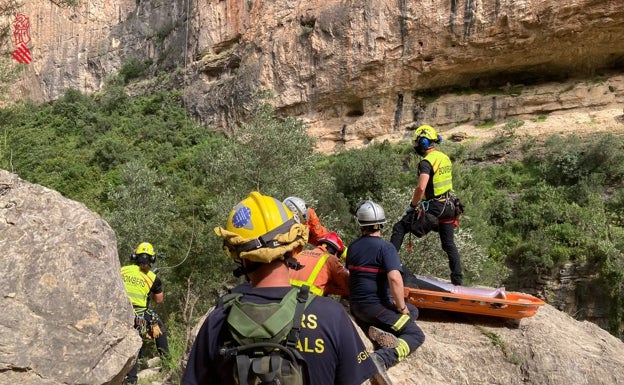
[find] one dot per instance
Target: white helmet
(369, 213)
(298, 208)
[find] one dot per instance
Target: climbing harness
(147, 324)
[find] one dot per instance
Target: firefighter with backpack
(142, 284)
(267, 331)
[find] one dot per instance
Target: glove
(156, 332)
(410, 209)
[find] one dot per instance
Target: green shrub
(365, 173)
(135, 68)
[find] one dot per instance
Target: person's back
(368, 268)
(142, 285)
(327, 339)
(325, 325)
(322, 269)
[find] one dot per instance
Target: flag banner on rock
(21, 37)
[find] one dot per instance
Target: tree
(140, 208)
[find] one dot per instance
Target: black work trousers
(445, 229)
(385, 317)
(162, 345)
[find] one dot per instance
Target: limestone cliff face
(80, 47)
(353, 70)
(358, 70)
(71, 48)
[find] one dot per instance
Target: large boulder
(65, 315)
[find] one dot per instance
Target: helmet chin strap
(250, 267)
(418, 150)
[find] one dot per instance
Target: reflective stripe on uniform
(398, 325)
(315, 272)
(442, 172)
(138, 284)
(402, 349)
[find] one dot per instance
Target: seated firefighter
(376, 291)
(322, 269)
(142, 284)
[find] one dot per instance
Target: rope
(188, 251)
(188, 2)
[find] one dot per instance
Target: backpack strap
(243, 363)
(302, 299)
(228, 299)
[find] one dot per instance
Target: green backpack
(266, 337)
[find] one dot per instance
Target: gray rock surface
(65, 316)
(550, 348)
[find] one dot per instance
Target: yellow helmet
(143, 253)
(261, 229)
(145, 248)
(424, 137)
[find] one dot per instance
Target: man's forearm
(395, 282)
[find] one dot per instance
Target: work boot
(381, 378)
(382, 338)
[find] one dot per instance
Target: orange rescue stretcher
(424, 292)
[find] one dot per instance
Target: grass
(488, 124)
(500, 343)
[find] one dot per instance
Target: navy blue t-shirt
(369, 259)
(328, 341)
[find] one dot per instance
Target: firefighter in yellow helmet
(434, 206)
(263, 237)
(142, 285)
